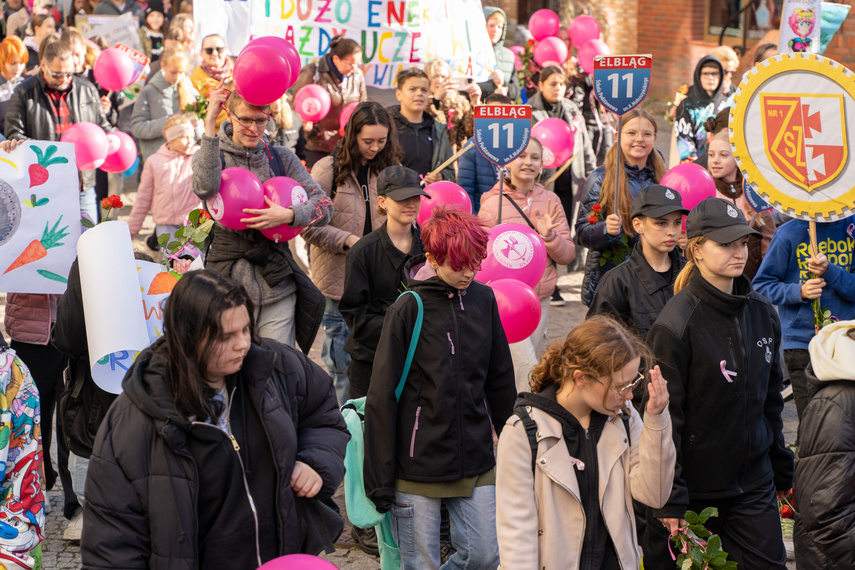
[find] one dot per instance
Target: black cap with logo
(656, 201)
(399, 183)
(719, 220)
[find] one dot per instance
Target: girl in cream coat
(570, 506)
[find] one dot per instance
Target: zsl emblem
(805, 137)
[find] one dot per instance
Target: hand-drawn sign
(502, 131)
(621, 82)
(791, 126)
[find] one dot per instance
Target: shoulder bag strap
(417, 329)
(515, 205)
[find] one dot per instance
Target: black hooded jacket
(166, 493)
(505, 59)
(727, 428)
(695, 109)
(461, 380)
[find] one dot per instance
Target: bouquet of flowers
(621, 250)
(192, 234)
(700, 549)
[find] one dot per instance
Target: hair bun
(710, 125)
(335, 41)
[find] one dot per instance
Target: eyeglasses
(249, 123)
(211, 50)
(60, 74)
(710, 74)
(625, 391)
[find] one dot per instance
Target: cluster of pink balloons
(241, 189)
(114, 69)
(557, 138)
(584, 33)
(265, 69)
(93, 148)
(515, 263)
(441, 193)
(694, 183)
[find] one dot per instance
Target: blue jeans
(89, 203)
(415, 526)
(332, 352)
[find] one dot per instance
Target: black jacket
(83, 404)
(824, 498)
(438, 137)
(374, 276)
(728, 434)
(142, 505)
(505, 59)
(634, 293)
(28, 115)
(461, 380)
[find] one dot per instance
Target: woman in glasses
(216, 66)
(567, 468)
(338, 72)
(719, 344)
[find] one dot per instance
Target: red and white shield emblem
(805, 137)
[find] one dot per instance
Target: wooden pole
(560, 171)
(451, 160)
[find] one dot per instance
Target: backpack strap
(276, 163)
(417, 330)
(530, 430)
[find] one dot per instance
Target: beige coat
(539, 517)
(327, 252)
(559, 247)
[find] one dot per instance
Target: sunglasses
(210, 51)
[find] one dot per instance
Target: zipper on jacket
(415, 429)
(242, 470)
(745, 393)
(459, 382)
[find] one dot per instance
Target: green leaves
(86, 223)
(195, 234)
(699, 548)
(34, 202)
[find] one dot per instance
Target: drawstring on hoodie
(448, 334)
(460, 297)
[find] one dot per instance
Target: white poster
(800, 24)
(393, 33)
(39, 217)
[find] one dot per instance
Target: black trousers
(796, 360)
(749, 526)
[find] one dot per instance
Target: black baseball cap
(656, 201)
(719, 220)
(399, 183)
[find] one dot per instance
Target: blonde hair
(180, 119)
(725, 54)
(174, 55)
(284, 117)
(686, 273)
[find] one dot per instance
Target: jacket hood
(725, 303)
(697, 92)
(402, 123)
(489, 11)
(146, 384)
(832, 352)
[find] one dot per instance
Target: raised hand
(546, 224)
(613, 225)
(217, 101)
(658, 392)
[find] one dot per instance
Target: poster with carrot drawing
(39, 217)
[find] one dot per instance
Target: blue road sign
(621, 82)
(502, 131)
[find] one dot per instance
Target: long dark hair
(347, 158)
(192, 327)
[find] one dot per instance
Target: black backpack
(531, 431)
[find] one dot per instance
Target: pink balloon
(113, 69)
(261, 74)
(298, 562)
(312, 103)
(239, 189)
(286, 49)
(550, 49)
(557, 138)
(517, 50)
(121, 152)
(543, 24)
(519, 308)
(514, 251)
(346, 112)
(285, 192)
(442, 192)
(589, 51)
(694, 183)
(90, 144)
(582, 30)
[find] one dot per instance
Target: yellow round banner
(792, 125)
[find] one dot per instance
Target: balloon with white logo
(514, 251)
(312, 103)
(239, 189)
(284, 192)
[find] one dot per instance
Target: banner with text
(393, 33)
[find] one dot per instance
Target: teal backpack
(360, 509)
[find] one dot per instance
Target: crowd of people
(227, 442)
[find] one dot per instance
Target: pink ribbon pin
(728, 375)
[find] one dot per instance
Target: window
(760, 17)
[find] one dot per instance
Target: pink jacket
(29, 317)
(560, 246)
(165, 189)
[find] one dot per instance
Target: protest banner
(114, 29)
(39, 217)
(393, 33)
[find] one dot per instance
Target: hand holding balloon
(270, 217)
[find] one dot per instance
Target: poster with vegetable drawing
(39, 217)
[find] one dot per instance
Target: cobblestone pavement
(62, 555)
